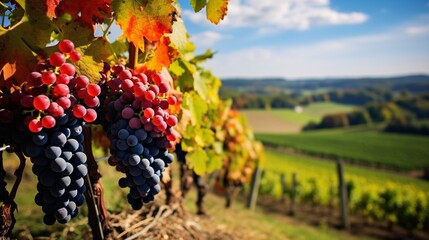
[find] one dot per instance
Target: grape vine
(56, 78)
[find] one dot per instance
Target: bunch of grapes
(56, 104)
(54, 89)
(59, 163)
(140, 129)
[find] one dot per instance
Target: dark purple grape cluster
(140, 130)
(59, 164)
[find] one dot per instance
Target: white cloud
(417, 30)
(207, 38)
(282, 14)
(388, 53)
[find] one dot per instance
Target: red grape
(66, 46)
(64, 102)
(149, 95)
(149, 113)
(94, 90)
(82, 81)
(41, 102)
(55, 109)
(63, 78)
(48, 121)
(156, 78)
(90, 115)
(61, 90)
(164, 87)
(68, 68)
(172, 100)
(79, 111)
(74, 56)
(171, 121)
(125, 74)
(48, 78)
(91, 101)
(35, 126)
(57, 59)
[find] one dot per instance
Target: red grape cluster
(54, 89)
(145, 102)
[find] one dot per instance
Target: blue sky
(298, 39)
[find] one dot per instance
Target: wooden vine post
(254, 188)
(98, 216)
(343, 197)
(293, 195)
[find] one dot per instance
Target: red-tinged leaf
(163, 56)
(88, 12)
(140, 19)
(51, 6)
(17, 44)
(216, 10)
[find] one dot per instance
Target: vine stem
(9, 206)
(134, 55)
(105, 31)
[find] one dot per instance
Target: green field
(313, 112)
(359, 144)
(289, 121)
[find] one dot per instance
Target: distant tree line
(276, 99)
(403, 115)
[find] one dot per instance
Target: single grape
(66, 46)
(57, 59)
(48, 78)
(68, 69)
(74, 56)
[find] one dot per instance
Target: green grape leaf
(216, 10)
(178, 37)
(197, 5)
(176, 69)
(204, 137)
(196, 105)
(190, 131)
(197, 160)
(207, 85)
(91, 62)
(215, 161)
(218, 147)
(203, 57)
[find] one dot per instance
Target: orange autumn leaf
(163, 55)
(140, 19)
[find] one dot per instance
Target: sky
(299, 39)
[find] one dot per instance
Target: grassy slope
(314, 112)
(287, 120)
(263, 225)
(361, 144)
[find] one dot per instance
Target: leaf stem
(108, 41)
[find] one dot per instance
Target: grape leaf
(20, 44)
(163, 55)
(196, 106)
(139, 19)
(176, 69)
(197, 160)
(88, 12)
(91, 62)
(214, 161)
(216, 10)
(197, 5)
(207, 85)
(204, 137)
(178, 37)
